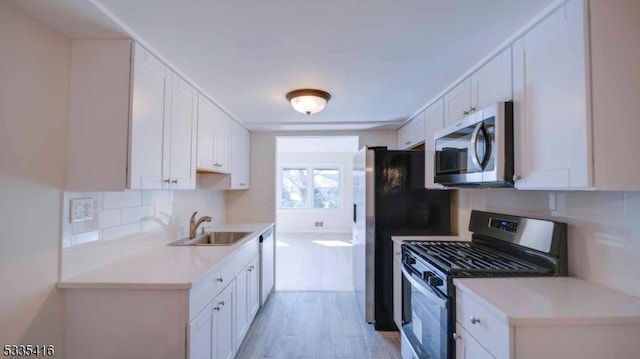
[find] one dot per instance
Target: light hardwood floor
(322, 325)
(306, 261)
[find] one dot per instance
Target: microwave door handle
(487, 147)
(427, 292)
(474, 142)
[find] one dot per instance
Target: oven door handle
(428, 292)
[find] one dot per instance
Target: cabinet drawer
(489, 330)
(203, 291)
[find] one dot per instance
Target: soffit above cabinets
(381, 60)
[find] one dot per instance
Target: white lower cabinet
(210, 334)
(248, 301)
(469, 348)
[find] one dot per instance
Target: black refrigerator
(389, 199)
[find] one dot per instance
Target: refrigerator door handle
(355, 216)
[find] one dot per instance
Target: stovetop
(469, 259)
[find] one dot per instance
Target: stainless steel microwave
(477, 151)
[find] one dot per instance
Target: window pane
(326, 191)
(294, 188)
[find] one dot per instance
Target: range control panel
(503, 225)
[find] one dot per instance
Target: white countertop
(552, 301)
(164, 267)
(400, 239)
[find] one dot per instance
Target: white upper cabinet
(457, 102)
(434, 121)
(131, 120)
(162, 138)
(412, 133)
(240, 156)
(491, 83)
(221, 142)
(214, 132)
(550, 91)
(206, 120)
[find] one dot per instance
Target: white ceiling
(381, 60)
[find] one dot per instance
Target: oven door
(425, 318)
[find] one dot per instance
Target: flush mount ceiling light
(308, 100)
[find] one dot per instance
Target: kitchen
(603, 224)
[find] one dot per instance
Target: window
(310, 187)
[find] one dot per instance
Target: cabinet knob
(167, 181)
(456, 336)
(243, 184)
(174, 181)
(474, 320)
(216, 308)
(516, 177)
(252, 267)
(249, 270)
(472, 109)
(221, 303)
(407, 143)
(219, 280)
(464, 113)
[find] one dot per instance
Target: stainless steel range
(501, 245)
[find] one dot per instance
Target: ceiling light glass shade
(308, 100)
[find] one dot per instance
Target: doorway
(314, 196)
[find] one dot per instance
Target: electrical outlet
(319, 224)
(81, 209)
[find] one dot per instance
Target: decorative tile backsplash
(117, 215)
(603, 228)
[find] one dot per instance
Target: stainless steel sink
(213, 239)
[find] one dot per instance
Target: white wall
(34, 72)
(257, 204)
(603, 228)
(336, 220)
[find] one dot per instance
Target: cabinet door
(550, 91)
(224, 338)
(404, 140)
(182, 152)
(200, 334)
(206, 119)
(150, 103)
(253, 291)
(492, 82)
(222, 132)
(434, 121)
(469, 348)
(242, 297)
(240, 143)
(457, 102)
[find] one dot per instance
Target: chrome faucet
(193, 224)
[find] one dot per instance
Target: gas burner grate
(466, 256)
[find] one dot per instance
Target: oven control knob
(434, 281)
(427, 274)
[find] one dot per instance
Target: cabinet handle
(472, 109)
(219, 280)
(456, 336)
(407, 143)
(252, 267)
(216, 308)
(167, 181)
(516, 177)
(243, 184)
(464, 113)
(249, 270)
(175, 181)
(474, 320)
(221, 303)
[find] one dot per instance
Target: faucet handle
(193, 216)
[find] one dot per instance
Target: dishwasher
(267, 264)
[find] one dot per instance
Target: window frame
(310, 168)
